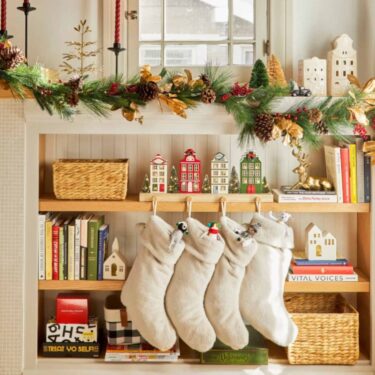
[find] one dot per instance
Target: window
(178, 33)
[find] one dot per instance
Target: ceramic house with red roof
(190, 173)
(158, 174)
(251, 174)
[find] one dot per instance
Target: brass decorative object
(80, 52)
(305, 181)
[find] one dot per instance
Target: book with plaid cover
(118, 334)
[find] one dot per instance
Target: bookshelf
(50, 138)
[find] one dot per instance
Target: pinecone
(148, 91)
(73, 98)
(11, 57)
(321, 127)
(205, 79)
(315, 115)
(208, 96)
(264, 123)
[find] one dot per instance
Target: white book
(71, 250)
(302, 198)
(127, 357)
(333, 169)
(42, 245)
(321, 278)
(77, 246)
(360, 171)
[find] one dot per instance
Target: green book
(92, 256)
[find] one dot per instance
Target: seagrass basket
(90, 179)
(327, 329)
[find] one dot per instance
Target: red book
(321, 270)
(72, 308)
(55, 250)
(344, 152)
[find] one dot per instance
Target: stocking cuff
(272, 233)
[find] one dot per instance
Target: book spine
(61, 252)
(55, 252)
(71, 248)
(101, 253)
(344, 152)
(306, 262)
(353, 172)
(367, 178)
(338, 175)
(322, 278)
(66, 251)
(360, 172)
(92, 253)
(42, 246)
(83, 263)
(48, 246)
(287, 198)
(77, 247)
(316, 270)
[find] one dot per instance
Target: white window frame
(239, 72)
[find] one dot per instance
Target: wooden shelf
(360, 286)
(132, 204)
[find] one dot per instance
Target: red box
(72, 308)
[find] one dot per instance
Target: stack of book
(140, 353)
(72, 247)
(347, 168)
(304, 270)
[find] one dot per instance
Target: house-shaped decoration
(250, 174)
(114, 265)
(190, 173)
(219, 174)
(312, 74)
(320, 245)
(158, 174)
(342, 60)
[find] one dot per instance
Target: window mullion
(230, 33)
(163, 26)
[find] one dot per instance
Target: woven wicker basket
(328, 329)
(90, 179)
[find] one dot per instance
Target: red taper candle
(26, 2)
(117, 21)
(3, 15)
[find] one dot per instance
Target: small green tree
(146, 184)
(234, 183)
(259, 75)
(173, 181)
(206, 186)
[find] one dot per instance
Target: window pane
(243, 54)
(243, 19)
(196, 20)
(196, 55)
(150, 19)
(149, 54)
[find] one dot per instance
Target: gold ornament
(146, 75)
(305, 181)
(79, 53)
(291, 131)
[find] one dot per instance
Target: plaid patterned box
(119, 329)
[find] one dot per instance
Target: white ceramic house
(341, 61)
(158, 174)
(219, 174)
(114, 265)
(312, 74)
(320, 245)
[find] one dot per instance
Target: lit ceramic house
(250, 174)
(190, 173)
(342, 60)
(312, 74)
(219, 174)
(158, 174)
(320, 245)
(114, 266)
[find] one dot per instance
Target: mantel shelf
(132, 204)
(360, 286)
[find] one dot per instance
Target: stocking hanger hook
(223, 203)
(154, 205)
(189, 205)
(258, 204)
